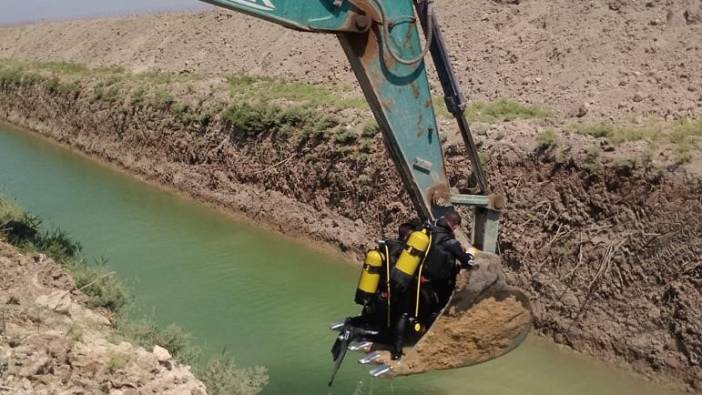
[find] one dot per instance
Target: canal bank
(587, 233)
(266, 300)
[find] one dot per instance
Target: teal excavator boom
(383, 43)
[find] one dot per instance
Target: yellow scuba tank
(370, 277)
(411, 257)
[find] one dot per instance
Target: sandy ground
(595, 59)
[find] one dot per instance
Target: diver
(445, 259)
(374, 294)
(425, 277)
(377, 309)
(396, 246)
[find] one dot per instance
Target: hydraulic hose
(387, 282)
(419, 279)
(387, 28)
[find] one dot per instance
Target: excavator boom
(383, 43)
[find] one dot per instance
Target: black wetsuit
(440, 270)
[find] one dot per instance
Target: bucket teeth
(370, 358)
(336, 326)
(362, 345)
(380, 371)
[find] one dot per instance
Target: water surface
(263, 298)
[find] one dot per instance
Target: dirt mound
(484, 320)
(50, 343)
(592, 59)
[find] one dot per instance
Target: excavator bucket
(484, 319)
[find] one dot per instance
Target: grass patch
(370, 130)
(592, 164)
(251, 120)
(677, 132)
(15, 77)
(685, 135)
(265, 89)
(220, 373)
(440, 108)
(226, 378)
(504, 110)
(546, 139)
(63, 67)
(345, 138)
(117, 362)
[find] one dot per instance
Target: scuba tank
(370, 277)
(410, 259)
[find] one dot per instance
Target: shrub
(547, 139)
(117, 362)
(370, 130)
(219, 373)
(98, 283)
(592, 164)
(345, 138)
(147, 334)
(223, 377)
(252, 120)
(163, 100)
(14, 77)
(58, 245)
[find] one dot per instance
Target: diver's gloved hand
(470, 262)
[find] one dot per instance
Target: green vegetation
(251, 120)
(547, 139)
(226, 378)
(684, 135)
(257, 106)
(503, 110)
(370, 130)
(269, 89)
(117, 362)
(14, 77)
(593, 164)
(440, 108)
(345, 138)
(220, 374)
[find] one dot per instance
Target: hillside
(600, 59)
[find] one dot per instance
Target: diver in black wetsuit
(444, 261)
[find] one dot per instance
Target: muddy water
(238, 288)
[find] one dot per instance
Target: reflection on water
(265, 299)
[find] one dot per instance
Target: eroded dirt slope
(51, 343)
(608, 252)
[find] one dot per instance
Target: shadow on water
(266, 299)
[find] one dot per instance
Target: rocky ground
(50, 342)
(602, 230)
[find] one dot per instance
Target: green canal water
(265, 299)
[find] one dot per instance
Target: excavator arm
(383, 43)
